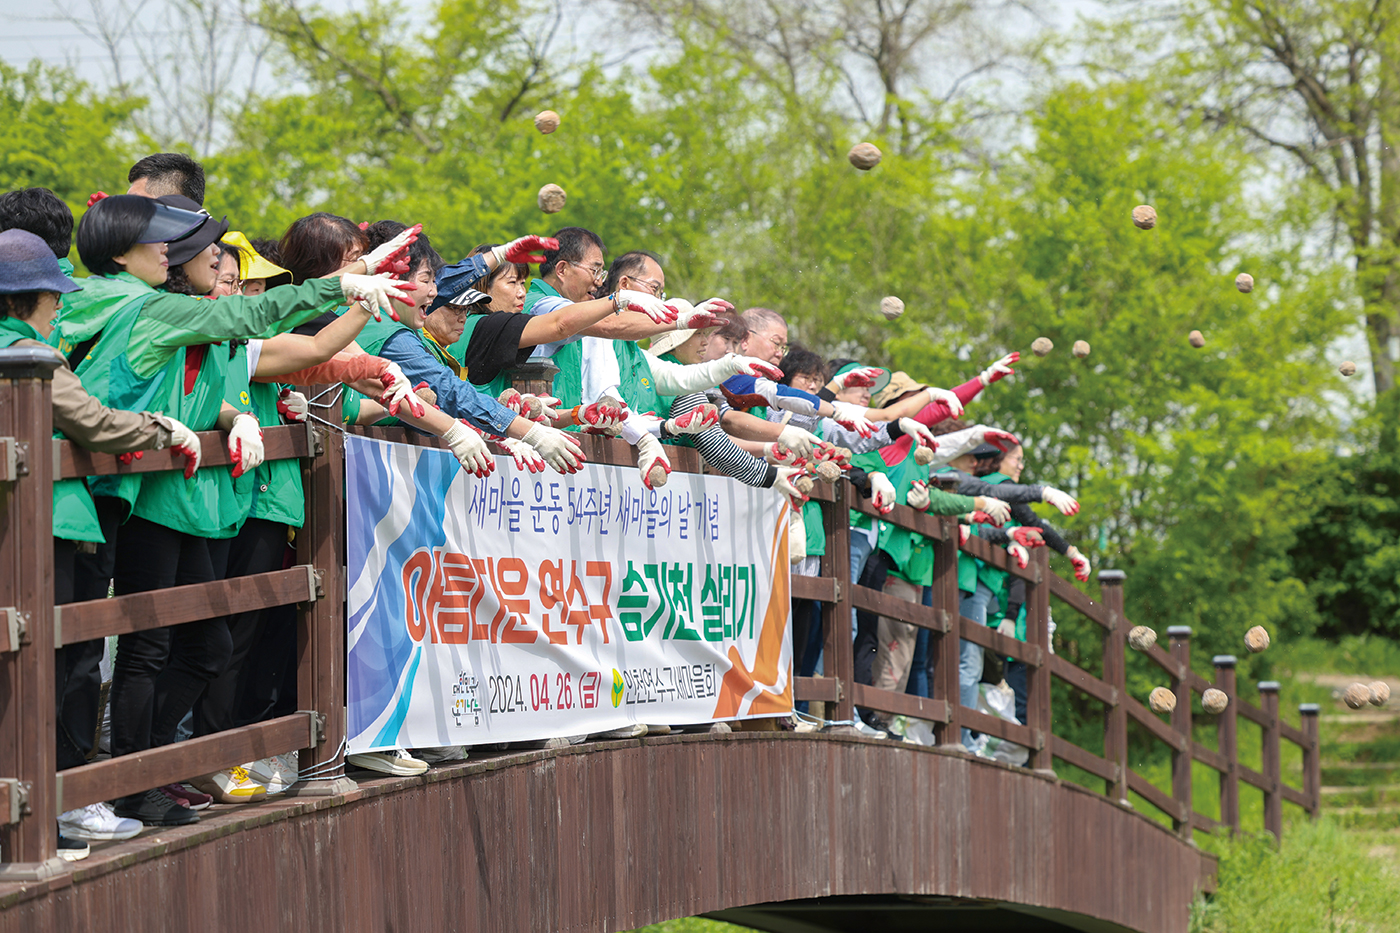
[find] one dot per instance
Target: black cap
(185, 248)
(985, 451)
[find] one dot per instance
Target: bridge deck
(615, 835)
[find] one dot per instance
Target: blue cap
(28, 265)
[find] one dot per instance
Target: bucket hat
(28, 265)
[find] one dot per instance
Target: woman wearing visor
(137, 348)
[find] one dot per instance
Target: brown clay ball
(1244, 282)
(1380, 692)
(1256, 639)
(1140, 638)
(1161, 700)
(1214, 701)
(1041, 346)
(532, 409)
(844, 453)
(547, 121)
(1145, 216)
(1357, 696)
(891, 307)
(923, 456)
(552, 198)
(1080, 348)
(657, 476)
(828, 472)
(1197, 339)
(804, 485)
(864, 156)
(1348, 368)
(426, 394)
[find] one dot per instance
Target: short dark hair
(42, 213)
(267, 248)
(315, 245)
(573, 246)
(948, 426)
(630, 264)
(173, 170)
(801, 361)
(834, 366)
(111, 228)
(419, 251)
(736, 330)
(177, 282)
(484, 283)
(19, 305)
(230, 249)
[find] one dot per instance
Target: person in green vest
(31, 286)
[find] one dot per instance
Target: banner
(527, 606)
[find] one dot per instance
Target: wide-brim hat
(28, 265)
(251, 263)
(665, 343)
(187, 247)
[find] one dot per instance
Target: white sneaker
(795, 723)
(655, 729)
(96, 823)
(278, 773)
(441, 754)
(559, 741)
(396, 761)
(868, 732)
(636, 730)
(232, 785)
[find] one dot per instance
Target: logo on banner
(617, 688)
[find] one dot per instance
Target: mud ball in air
(923, 456)
(1145, 216)
(1244, 282)
(864, 156)
(1197, 339)
(657, 476)
(552, 198)
(1357, 696)
(1214, 701)
(1256, 639)
(828, 472)
(1080, 348)
(1348, 368)
(891, 307)
(1140, 637)
(1380, 692)
(547, 121)
(1161, 700)
(1041, 346)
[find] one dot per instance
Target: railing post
(943, 648)
(1227, 742)
(1180, 638)
(836, 617)
(535, 377)
(28, 838)
(1312, 760)
(1038, 711)
(1272, 764)
(321, 625)
(1115, 674)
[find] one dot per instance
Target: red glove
(964, 532)
(603, 414)
(512, 399)
(1081, 563)
(343, 367)
(1027, 537)
(1001, 440)
(981, 518)
(1023, 557)
(131, 456)
(859, 378)
(525, 250)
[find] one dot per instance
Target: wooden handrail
(993, 640)
(1082, 758)
(280, 442)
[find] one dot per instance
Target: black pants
(1016, 680)
(877, 569)
(159, 673)
(260, 547)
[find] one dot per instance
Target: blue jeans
(918, 664)
(860, 551)
(974, 606)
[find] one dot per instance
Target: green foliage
(692, 925)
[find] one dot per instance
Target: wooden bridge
(779, 831)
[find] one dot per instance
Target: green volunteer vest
(911, 552)
(994, 578)
(568, 383)
(496, 386)
(372, 340)
(238, 392)
(277, 491)
(74, 517)
(967, 564)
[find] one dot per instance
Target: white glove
(919, 432)
(950, 400)
(714, 306)
(541, 408)
(525, 457)
(999, 370)
(649, 457)
(797, 440)
(603, 416)
(649, 305)
(398, 391)
(184, 441)
(1050, 632)
(852, 417)
(882, 493)
(706, 314)
(699, 419)
(559, 450)
(469, 448)
(376, 258)
(292, 405)
(245, 445)
(858, 378)
(784, 485)
(1081, 563)
(779, 456)
(964, 532)
(681, 379)
(997, 510)
(1023, 557)
(1061, 500)
(918, 496)
(374, 292)
(1007, 628)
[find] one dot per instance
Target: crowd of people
(183, 326)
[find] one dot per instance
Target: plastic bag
(999, 700)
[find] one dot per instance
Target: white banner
(530, 606)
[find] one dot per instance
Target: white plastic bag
(1000, 701)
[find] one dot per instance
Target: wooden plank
(1149, 792)
(990, 638)
(1148, 720)
(1209, 757)
(1083, 680)
(280, 442)
(137, 612)
(825, 689)
(1078, 600)
(997, 557)
(1256, 778)
(993, 725)
(1294, 796)
(1203, 822)
(1252, 713)
(168, 764)
(1082, 758)
(821, 589)
(895, 608)
(900, 704)
(837, 646)
(1166, 662)
(903, 516)
(1293, 734)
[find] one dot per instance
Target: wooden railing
(32, 793)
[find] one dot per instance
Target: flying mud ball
(1348, 368)
(828, 472)
(1256, 639)
(1080, 348)
(1145, 216)
(1244, 282)
(1140, 638)
(657, 476)
(1380, 692)
(1214, 701)
(864, 156)
(547, 121)
(1196, 339)
(891, 307)
(1357, 696)
(552, 198)
(923, 456)
(1041, 346)
(1161, 700)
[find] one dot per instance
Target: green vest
(277, 492)
(568, 383)
(74, 517)
(993, 577)
(911, 552)
(496, 386)
(107, 307)
(967, 564)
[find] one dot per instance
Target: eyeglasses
(653, 287)
(599, 273)
(777, 343)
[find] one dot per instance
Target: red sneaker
(187, 797)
